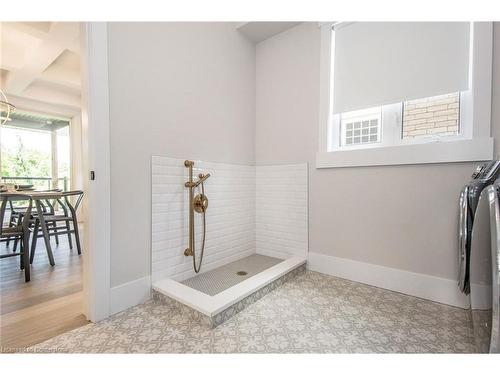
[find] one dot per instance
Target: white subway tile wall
(230, 216)
(251, 210)
(282, 210)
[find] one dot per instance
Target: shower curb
(219, 318)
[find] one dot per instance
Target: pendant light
(6, 108)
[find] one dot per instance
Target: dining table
(37, 197)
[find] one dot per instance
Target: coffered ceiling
(40, 64)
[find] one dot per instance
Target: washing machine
(484, 276)
(484, 175)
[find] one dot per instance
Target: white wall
(201, 91)
(495, 100)
(403, 217)
(186, 90)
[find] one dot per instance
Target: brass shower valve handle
(200, 203)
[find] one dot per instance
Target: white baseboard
(414, 284)
(129, 294)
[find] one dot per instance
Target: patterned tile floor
(312, 313)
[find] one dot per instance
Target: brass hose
(197, 269)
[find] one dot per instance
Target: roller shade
(379, 63)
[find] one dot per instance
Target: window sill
(437, 152)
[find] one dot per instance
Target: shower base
(217, 295)
(216, 281)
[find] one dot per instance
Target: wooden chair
(68, 217)
(19, 231)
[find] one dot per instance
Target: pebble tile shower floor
(224, 277)
(312, 313)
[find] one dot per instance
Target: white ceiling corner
(260, 31)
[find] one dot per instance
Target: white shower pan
(256, 222)
(214, 309)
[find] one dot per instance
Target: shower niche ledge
(212, 310)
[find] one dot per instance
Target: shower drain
(241, 273)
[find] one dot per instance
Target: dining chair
(15, 219)
(68, 217)
(19, 232)
(17, 213)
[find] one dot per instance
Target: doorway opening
(42, 150)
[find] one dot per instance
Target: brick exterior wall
(435, 115)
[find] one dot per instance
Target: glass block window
(361, 127)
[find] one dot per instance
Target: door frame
(96, 159)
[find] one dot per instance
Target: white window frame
(390, 128)
(473, 143)
(364, 115)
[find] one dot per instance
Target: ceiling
(259, 31)
(26, 120)
(40, 62)
(40, 65)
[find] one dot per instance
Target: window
(418, 120)
(412, 101)
(435, 116)
(361, 127)
(35, 149)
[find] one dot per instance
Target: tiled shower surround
(281, 210)
(251, 210)
(230, 216)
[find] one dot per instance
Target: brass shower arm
(193, 184)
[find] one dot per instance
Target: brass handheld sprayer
(198, 203)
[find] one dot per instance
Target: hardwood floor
(50, 304)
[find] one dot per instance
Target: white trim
(482, 75)
(54, 160)
(78, 174)
(130, 294)
(429, 287)
(75, 136)
(325, 85)
(96, 157)
(341, 25)
(212, 305)
(436, 152)
(475, 119)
